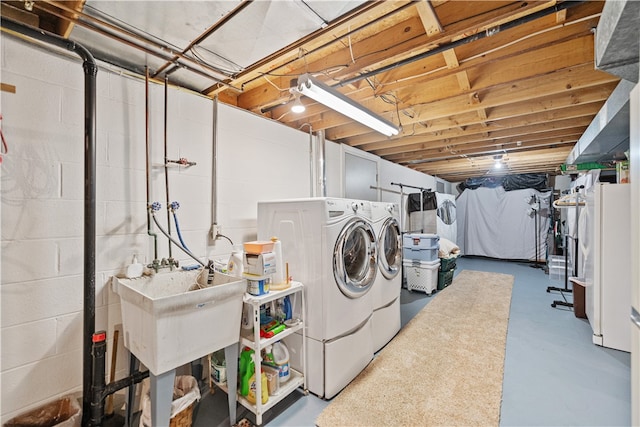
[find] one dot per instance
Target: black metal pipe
(132, 379)
(447, 46)
(99, 349)
(99, 389)
(90, 70)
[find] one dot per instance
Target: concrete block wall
(41, 288)
(42, 203)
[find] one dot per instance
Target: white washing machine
(329, 245)
(386, 289)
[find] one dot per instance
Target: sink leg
(161, 397)
(231, 358)
(134, 364)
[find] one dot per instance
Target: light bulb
(298, 107)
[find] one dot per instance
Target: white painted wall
(42, 202)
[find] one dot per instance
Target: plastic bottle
(267, 357)
(235, 266)
(251, 396)
(135, 269)
(281, 358)
(247, 317)
(288, 312)
(247, 370)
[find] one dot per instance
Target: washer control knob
(354, 206)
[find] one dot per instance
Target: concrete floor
(553, 376)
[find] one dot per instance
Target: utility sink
(173, 318)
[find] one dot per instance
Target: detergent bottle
(281, 358)
(247, 317)
(247, 370)
(251, 397)
(235, 266)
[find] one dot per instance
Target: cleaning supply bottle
(251, 397)
(267, 356)
(135, 269)
(288, 311)
(281, 358)
(247, 370)
(247, 317)
(235, 266)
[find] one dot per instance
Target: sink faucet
(170, 263)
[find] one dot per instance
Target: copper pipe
(134, 36)
(205, 34)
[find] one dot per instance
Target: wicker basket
(183, 418)
(186, 393)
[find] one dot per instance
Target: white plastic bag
(185, 392)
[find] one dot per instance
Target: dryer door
(354, 258)
(390, 248)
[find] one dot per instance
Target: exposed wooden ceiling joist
(462, 87)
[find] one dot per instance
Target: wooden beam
(4, 87)
(524, 125)
(20, 15)
(544, 104)
(65, 26)
(373, 56)
(429, 18)
(496, 72)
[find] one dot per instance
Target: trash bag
(185, 392)
(63, 412)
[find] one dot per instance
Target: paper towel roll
(279, 276)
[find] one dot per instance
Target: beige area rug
(445, 366)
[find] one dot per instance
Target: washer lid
(354, 258)
(390, 248)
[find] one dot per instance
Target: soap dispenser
(134, 269)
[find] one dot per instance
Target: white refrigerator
(607, 247)
(634, 179)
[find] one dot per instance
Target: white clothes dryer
(386, 289)
(329, 245)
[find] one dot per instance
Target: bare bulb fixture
(298, 107)
(497, 162)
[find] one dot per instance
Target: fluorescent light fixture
(335, 100)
